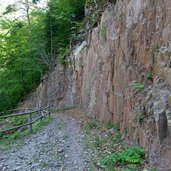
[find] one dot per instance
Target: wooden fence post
(49, 110)
(40, 113)
(30, 123)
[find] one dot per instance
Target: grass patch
(16, 138)
(109, 125)
(91, 124)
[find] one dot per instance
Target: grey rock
(60, 150)
(18, 168)
(162, 125)
(46, 152)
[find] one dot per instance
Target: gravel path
(58, 146)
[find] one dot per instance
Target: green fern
(134, 155)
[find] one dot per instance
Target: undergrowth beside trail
(16, 138)
(107, 151)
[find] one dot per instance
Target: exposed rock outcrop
(56, 89)
(122, 74)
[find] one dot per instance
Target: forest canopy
(32, 44)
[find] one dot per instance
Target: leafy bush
(133, 155)
(31, 46)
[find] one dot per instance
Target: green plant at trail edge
(152, 169)
(140, 118)
(109, 125)
(138, 86)
(97, 142)
(117, 126)
(132, 155)
(91, 125)
(150, 76)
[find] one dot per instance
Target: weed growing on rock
(138, 86)
(150, 76)
(140, 118)
(156, 48)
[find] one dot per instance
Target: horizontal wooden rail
(13, 110)
(30, 119)
(16, 127)
(18, 114)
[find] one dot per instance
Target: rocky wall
(56, 90)
(123, 74)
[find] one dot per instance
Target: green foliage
(132, 155)
(62, 57)
(63, 20)
(91, 124)
(100, 141)
(138, 86)
(150, 76)
(152, 169)
(31, 46)
(117, 126)
(97, 142)
(140, 118)
(20, 69)
(156, 48)
(109, 125)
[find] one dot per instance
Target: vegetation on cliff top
(31, 44)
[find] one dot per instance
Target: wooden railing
(41, 113)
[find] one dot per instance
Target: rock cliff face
(122, 74)
(56, 90)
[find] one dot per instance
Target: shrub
(132, 155)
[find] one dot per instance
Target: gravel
(58, 146)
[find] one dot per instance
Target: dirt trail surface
(57, 146)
